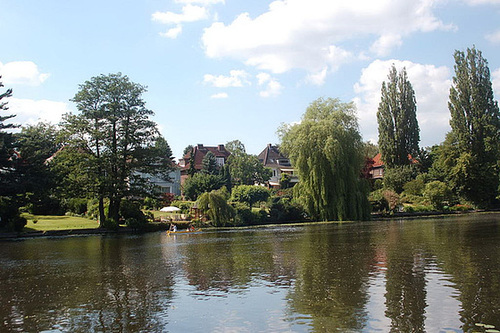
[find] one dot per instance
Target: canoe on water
(183, 232)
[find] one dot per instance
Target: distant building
(377, 166)
(173, 185)
(272, 158)
(199, 151)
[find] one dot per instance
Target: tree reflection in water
(401, 276)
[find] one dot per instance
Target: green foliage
(185, 206)
(377, 201)
(114, 141)
(327, 151)
(9, 178)
(214, 205)
(76, 205)
(438, 194)
(247, 169)
(397, 120)
(10, 218)
(209, 164)
(415, 186)
(472, 167)
(131, 213)
(236, 147)
(283, 209)
(250, 194)
(396, 177)
(200, 183)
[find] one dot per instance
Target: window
(220, 161)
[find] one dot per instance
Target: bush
(377, 201)
(250, 194)
(10, 219)
(396, 177)
(285, 210)
(131, 212)
(76, 205)
(437, 193)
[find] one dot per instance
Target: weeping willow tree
(214, 205)
(326, 150)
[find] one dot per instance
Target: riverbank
(155, 227)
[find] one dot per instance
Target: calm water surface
(430, 275)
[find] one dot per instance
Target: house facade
(172, 185)
(199, 152)
(272, 158)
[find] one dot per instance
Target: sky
(223, 70)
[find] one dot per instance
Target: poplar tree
(327, 152)
(475, 130)
(399, 134)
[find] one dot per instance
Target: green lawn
(46, 223)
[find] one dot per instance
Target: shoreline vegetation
(76, 229)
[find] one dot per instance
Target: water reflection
(400, 276)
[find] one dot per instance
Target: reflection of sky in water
(256, 308)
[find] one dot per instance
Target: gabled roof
(272, 157)
(377, 161)
(199, 153)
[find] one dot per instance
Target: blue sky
(219, 70)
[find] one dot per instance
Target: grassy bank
(50, 222)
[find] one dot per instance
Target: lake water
(431, 275)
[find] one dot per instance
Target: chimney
(221, 148)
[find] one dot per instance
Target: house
(172, 185)
(377, 166)
(272, 158)
(199, 152)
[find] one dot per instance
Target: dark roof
(272, 157)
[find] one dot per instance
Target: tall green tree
(115, 137)
(7, 154)
(209, 164)
(475, 130)
(9, 172)
(327, 151)
(398, 130)
(37, 144)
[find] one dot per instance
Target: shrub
(250, 194)
(396, 177)
(437, 193)
(377, 201)
(10, 219)
(76, 205)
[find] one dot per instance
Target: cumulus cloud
(308, 34)
(29, 112)
(271, 85)
(219, 96)
(431, 85)
(22, 72)
(236, 78)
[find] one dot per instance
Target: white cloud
(22, 72)
(495, 79)
(219, 96)
(172, 33)
(190, 13)
(30, 112)
(385, 44)
(272, 86)
(318, 78)
(307, 34)
(201, 2)
(482, 2)
(236, 78)
(494, 37)
(431, 85)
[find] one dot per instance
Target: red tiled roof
(199, 153)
